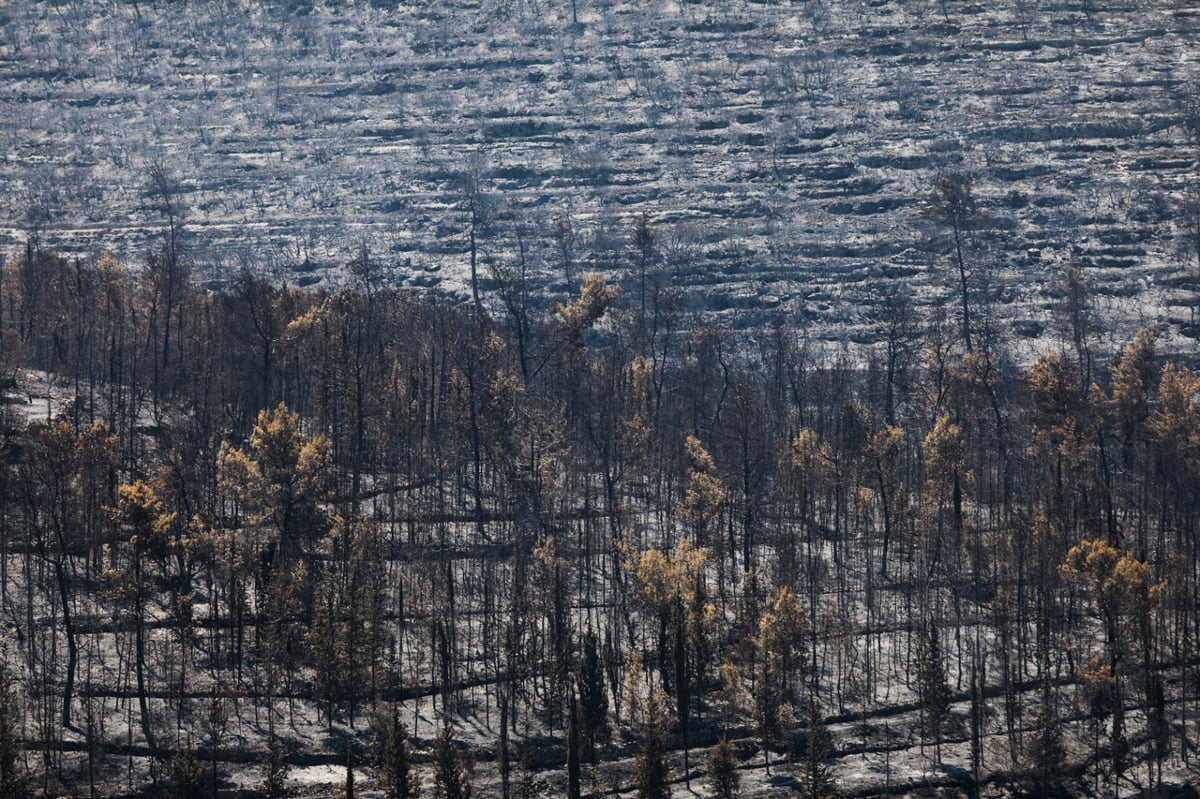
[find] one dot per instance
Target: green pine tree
(449, 775)
(933, 688)
(653, 774)
(723, 778)
(525, 785)
(593, 701)
(274, 769)
(768, 709)
(816, 777)
(395, 774)
(1045, 748)
(188, 776)
(14, 780)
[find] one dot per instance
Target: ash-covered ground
(783, 153)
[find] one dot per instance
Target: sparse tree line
(600, 528)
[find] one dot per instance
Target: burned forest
(522, 399)
(268, 539)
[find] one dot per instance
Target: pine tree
(723, 778)
(593, 701)
(188, 775)
(816, 778)
(768, 709)
(274, 769)
(641, 251)
(1045, 750)
(933, 687)
(781, 635)
(653, 774)
(953, 205)
(14, 781)
(144, 515)
(525, 786)
(450, 779)
(395, 773)
(731, 698)
(280, 482)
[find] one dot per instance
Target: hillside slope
(781, 152)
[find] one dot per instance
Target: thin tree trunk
(72, 645)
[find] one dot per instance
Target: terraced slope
(781, 151)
